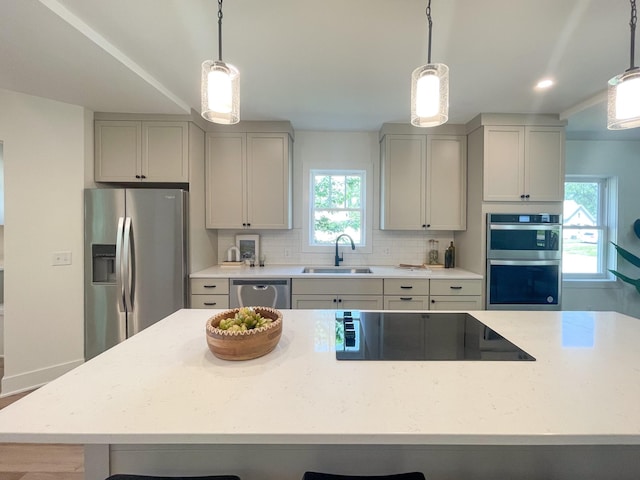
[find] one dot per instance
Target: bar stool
(331, 476)
(124, 476)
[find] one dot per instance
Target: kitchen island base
(437, 462)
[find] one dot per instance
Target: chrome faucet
(338, 256)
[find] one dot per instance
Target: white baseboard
(24, 382)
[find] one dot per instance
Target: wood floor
(30, 461)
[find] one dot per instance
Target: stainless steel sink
(337, 270)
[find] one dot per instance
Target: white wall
(45, 152)
(609, 158)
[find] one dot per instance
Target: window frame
(605, 226)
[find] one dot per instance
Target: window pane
(328, 224)
(321, 191)
(581, 203)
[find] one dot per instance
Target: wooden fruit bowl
(245, 345)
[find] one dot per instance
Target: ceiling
(329, 65)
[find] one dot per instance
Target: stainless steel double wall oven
(524, 261)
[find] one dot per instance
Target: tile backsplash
(283, 247)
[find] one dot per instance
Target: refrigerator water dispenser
(104, 263)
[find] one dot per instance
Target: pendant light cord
(220, 30)
(430, 25)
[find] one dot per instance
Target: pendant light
(430, 90)
(220, 87)
(624, 90)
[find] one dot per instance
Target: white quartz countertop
(295, 271)
(164, 386)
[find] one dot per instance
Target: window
(588, 206)
(337, 206)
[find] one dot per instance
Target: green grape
(245, 319)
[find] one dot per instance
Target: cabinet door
(118, 151)
(268, 181)
(225, 185)
(461, 303)
(544, 163)
(360, 302)
(446, 189)
(403, 178)
(310, 302)
(504, 164)
(165, 151)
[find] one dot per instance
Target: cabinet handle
(527, 196)
(455, 288)
(522, 196)
(428, 225)
(210, 286)
(335, 300)
(406, 298)
(138, 176)
(339, 300)
(406, 287)
(248, 224)
(210, 304)
(424, 225)
(433, 301)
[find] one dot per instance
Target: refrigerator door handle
(119, 271)
(127, 265)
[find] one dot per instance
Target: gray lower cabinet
(337, 293)
(406, 294)
(209, 292)
(455, 294)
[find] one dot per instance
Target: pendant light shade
(430, 90)
(430, 95)
(220, 92)
(623, 92)
(220, 86)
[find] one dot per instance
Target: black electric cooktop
(420, 336)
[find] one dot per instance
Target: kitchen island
(160, 402)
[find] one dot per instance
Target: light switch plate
(61, 258)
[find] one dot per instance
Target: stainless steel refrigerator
(135, 262)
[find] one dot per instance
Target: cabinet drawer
(406, 302)
(455, 287)
(336, 286)
(209, 286)
(450, 302)
(406, 287)
(209, 301)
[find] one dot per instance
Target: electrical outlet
(386, 251)
(61, 258)
(287, 253)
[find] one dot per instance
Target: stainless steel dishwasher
(264, 292)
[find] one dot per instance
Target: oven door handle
(524, 262)
(551, 227)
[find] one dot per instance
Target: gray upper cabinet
(423, 182)
(520, 157)
(249, 180)
(524, 163)
(138, 151)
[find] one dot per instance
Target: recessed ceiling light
(544, 84)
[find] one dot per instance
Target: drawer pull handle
(210, 304)
(455, 288)
(210, 286)
(406, 287)
(406, 298)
